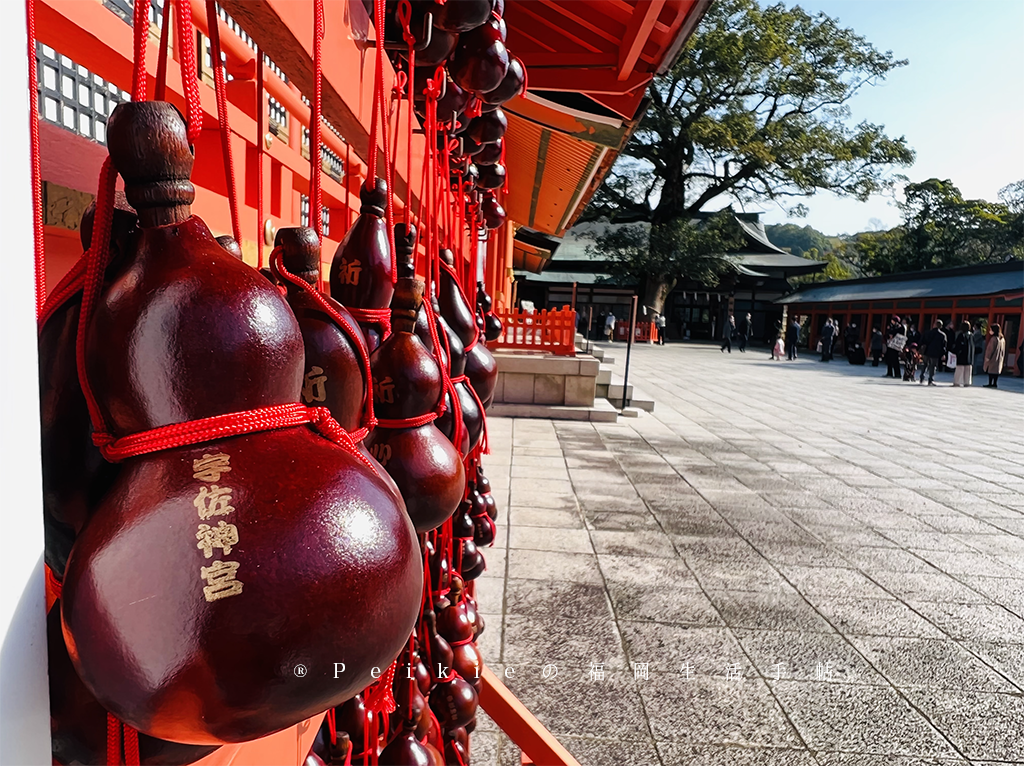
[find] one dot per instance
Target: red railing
(553, 332)
(646, 332)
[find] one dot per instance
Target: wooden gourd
(408, 384)
(361, 270)
(200, 642)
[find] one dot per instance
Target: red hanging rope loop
(261, 131)
(37, 173)
(219, 87)
(415, 422)
(113, 740)
(316, 197)
(161, 62)
(187, 60)
(353, 333)
(140, 36)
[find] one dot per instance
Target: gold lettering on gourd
(222, 536)
(210, 467)
(314, 387)
(220, 576)
(384, 391)
(213, 501)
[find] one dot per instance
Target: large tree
(755, 109)
(941, 229)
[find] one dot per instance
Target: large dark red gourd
(440, 47)
(405, 749)
(462, 15)
(480, 368)
(492, 213)
(453, 699)
(210, 572)
(334, 376)
(491, 176)
(489, 154)
(512, 84)
(480, 60)
(361, 271)
(488, 127)
(78, 723)
(452, 102)
(75, 475)
(408, 384)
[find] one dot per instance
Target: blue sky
(960, 101)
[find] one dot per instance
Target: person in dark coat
(828, 335)
(792, 338)
(892, 355)
(728, 330)
(877, 346)
(963, 347)
(934, 344)
(746, 328)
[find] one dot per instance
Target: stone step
(601, 412)
(604, 375)
(613, 392)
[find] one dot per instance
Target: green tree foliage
(835, 268)
(798, 239)
(656, 257)
(941, 229)
(754, 109)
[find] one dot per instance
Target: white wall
(24, 702)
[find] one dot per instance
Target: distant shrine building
(988, 294)
(548, 270)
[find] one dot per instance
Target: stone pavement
(787, 563)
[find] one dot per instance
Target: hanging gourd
(512, 84)
(78, 723)
(480, 60)
(361, 276)
(488, 127)
(462, 15)
(75, 475)
(407, 386)
(489, 154)
(237, 543)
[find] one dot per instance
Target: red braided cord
(277, 265)
(381, 317)
(187, 60)
(113, 741)
(37, 173)
(379, 122)
(131, 746)
(405, 15)
(436, 342)
(95, 259)
(191, 432)
(348, 189)
(261, 131)
(416, 422)
(378, 697)
(140, 36)
(219, 86)
(161, 61)
(56, 586)
(401, 79)
(316, 197)
(70, 284)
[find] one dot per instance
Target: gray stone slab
(547, 565)
(706, 710)
(787, 655)
(874, 617)
(732, 755)
(981, 725)
(853, 718)
(661, 603)
(768, 611)
(974, 622)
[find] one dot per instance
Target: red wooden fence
(553, 332)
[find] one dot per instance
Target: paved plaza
(786, 563)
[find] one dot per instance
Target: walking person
(746, 328)
(728, 330)
(963, 349)
(995, 355)
(659, 322)
(935, 344)
(828, 334)
(778, 348)
(792, 339)
(978, 336)
(609, 327)
(893, 347)
(877, 345)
